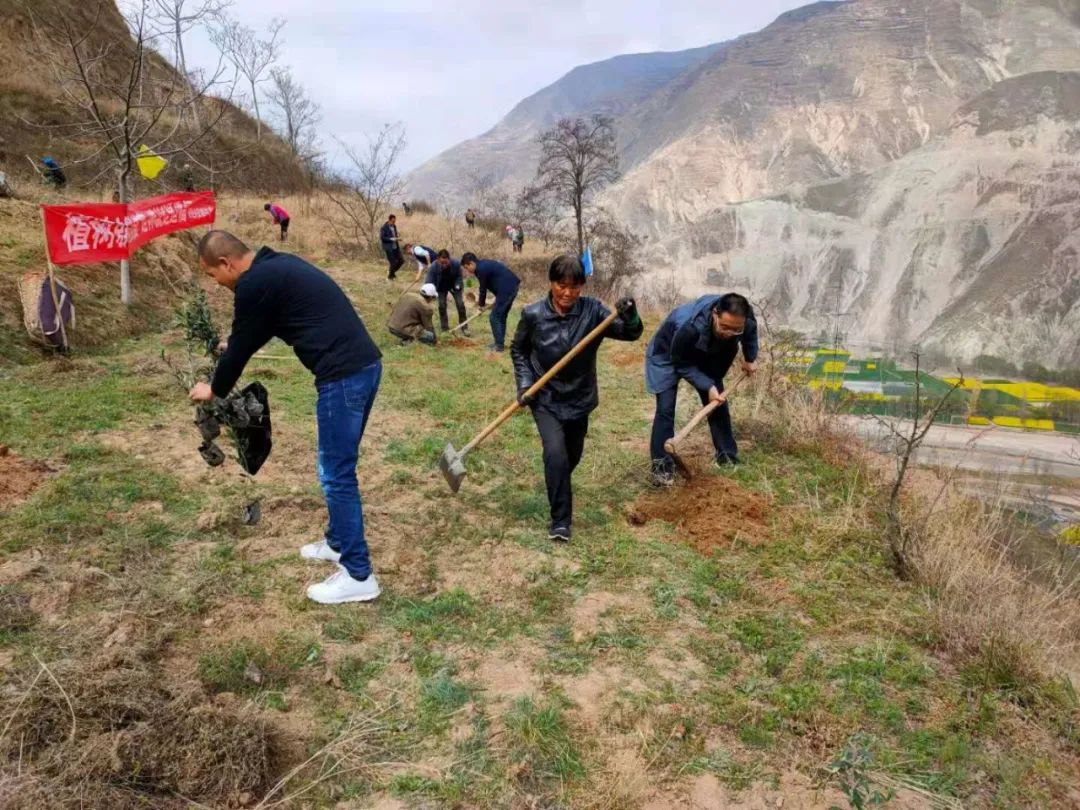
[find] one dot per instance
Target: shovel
(467, 321)
(671, 444)
(452, 462)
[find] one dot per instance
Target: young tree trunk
(580, 226)
(258, 118)
(182, 59)
(125, 264)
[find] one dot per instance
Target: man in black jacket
(445, 274)
(548, 329)
(389, 238)
(698, 342)
(281, 295)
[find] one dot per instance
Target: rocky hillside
(35, 121)
(968, 244)
(860, 114)
(507, 153)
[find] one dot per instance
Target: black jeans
(564, 442)
(459, 300)
(395, 259)
(499, 313)
(663, 426)
(284, 229)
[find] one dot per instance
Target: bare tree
(906, 441)
(121, 96)
(251, 56)
(297, 113)
(365, 194)
(616, 256)
(577, 158)
(176, 18)
(538, 214)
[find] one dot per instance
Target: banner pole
(52, 285)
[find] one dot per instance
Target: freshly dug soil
(19, 477)
(710, 512)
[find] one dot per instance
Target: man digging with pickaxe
(698, 342)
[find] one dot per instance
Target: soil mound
(19, 477)
(710, 512)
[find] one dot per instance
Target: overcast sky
(451, 70)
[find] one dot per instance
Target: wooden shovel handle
(536, 386)
(670, 444)
(468, 320)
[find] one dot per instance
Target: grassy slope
(622, 669)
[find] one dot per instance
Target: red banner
(108, 232)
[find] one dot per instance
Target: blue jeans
(342, 414)
(499, 313)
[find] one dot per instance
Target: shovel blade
(452, 467)
(680, 465)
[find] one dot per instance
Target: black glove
(627, 309)
(524, 398)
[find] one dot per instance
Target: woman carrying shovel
(547, 331)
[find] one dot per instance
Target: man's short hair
(468, 258)
(390, 217)
(221, 244)
(266, 207)
(443, 254)
(733, 304)
(567, 269)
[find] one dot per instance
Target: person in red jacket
(280, 217)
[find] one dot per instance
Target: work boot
(726, 460)
(662, 474)
(560, 533)
(341, 587)
(319, 551)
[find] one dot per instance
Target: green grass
(745, 665)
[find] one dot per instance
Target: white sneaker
(320, 551)
(340, 587)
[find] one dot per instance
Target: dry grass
(106, 734)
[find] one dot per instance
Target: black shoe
(560, 534)
(465, 331)
(726, 460)
(662, 474)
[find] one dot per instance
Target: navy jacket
(684, 347)
(544, 336)
(283, 296)
(444, 280)
(498, 278)
(388, 237)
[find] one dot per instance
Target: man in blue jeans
(281, 295)
(503, 284)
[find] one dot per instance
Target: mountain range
(903, 171)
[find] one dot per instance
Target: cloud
(450, 71)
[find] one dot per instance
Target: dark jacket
(444, 280)
(498, 278)
(684, 347)
(388, 236)
(544, 336)
(283, 296)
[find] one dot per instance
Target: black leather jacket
(544, 336)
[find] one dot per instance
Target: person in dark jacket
(52, 174)
(388, 236)
(445, 274)
(548, 329)
(500, 280)
(698, 342)
(281, 295)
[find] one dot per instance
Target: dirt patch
(505, 680)
(628, 360)
(594, 693)
(458, 342)
(710, 512)
(593, 607)
(20, 477)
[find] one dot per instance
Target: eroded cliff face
(968, 244)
